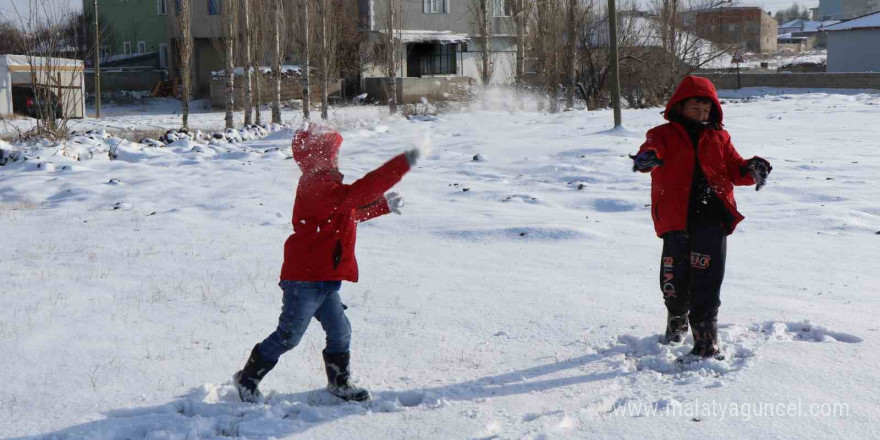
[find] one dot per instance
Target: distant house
(136, 31)
(746, 27)
(440, 39)
(853, 44)
(804, 32)
(845, 9)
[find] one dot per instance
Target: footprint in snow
(739, 344)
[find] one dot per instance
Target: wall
(854, 51)
(132, 21)
(119, 80)
(751, 27)
(769, 30)
(797, 80)
(291, 88)
(412, 90)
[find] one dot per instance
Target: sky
(768, 5)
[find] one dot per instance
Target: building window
(213, 7)
(161, 7)
(126, 47)
(176, 7)
(142, 47)
(502, 8)
(163, 56)
(436, 6)
(441, 61)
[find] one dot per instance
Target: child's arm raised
(378, 208)
(371, 187)
(644, 161)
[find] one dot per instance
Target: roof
(415, 36)
(869, 21)
(23, 63)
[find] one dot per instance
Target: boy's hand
(645, 160)
(412, 156)
(395, 202)
(759, 168)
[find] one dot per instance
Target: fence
(867, 80)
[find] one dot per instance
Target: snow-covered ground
(516, 297)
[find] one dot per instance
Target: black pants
(691, 271)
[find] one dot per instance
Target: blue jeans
(303, 300)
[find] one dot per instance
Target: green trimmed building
(135, 30)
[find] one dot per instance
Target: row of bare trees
(562, 48)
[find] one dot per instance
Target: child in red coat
(694, 168)
(319, 255)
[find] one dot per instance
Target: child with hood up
(319, 255)
(694, 168)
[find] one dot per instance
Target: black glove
(412, 156)
(645, 160)
(759, 168)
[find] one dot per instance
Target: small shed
(853, 44)
(59, 78)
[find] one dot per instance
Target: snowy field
(516, 297)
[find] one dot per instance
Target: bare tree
(482, 20)
(306, 53)
(324, 9)
(276, 60)
(521, 13)
(260, 12)
(248, 66)
(571, 52)
(229, 24)
(185, 49)
(390, 47)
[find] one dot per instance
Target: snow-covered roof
(12, 61)
(870, 21)
(414, 36)
(807, 26)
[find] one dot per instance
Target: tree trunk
(306, 91)
(485, 50)
(571, 71)
(520, 43)
(258, 76)
(276, 64)
(392, 56)
(229, 9)
(248, 74)
(186, 47)
(325, 59)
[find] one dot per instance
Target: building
(746, 27)
(208, 46)
(853, 44)
(439, 39)
(133, 29)
(846, 9)
(804, 33)
(60, 79)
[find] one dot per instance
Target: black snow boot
(247, 380)
(676, 329)
(705, 343)
(338, 376)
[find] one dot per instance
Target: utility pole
(614, 62)
(97, 65)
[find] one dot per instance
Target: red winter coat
(326, 211)
(671, 182)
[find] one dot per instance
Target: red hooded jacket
(326, 211)
(671, 182)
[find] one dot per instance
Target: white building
(61, 77)
(854, 45)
